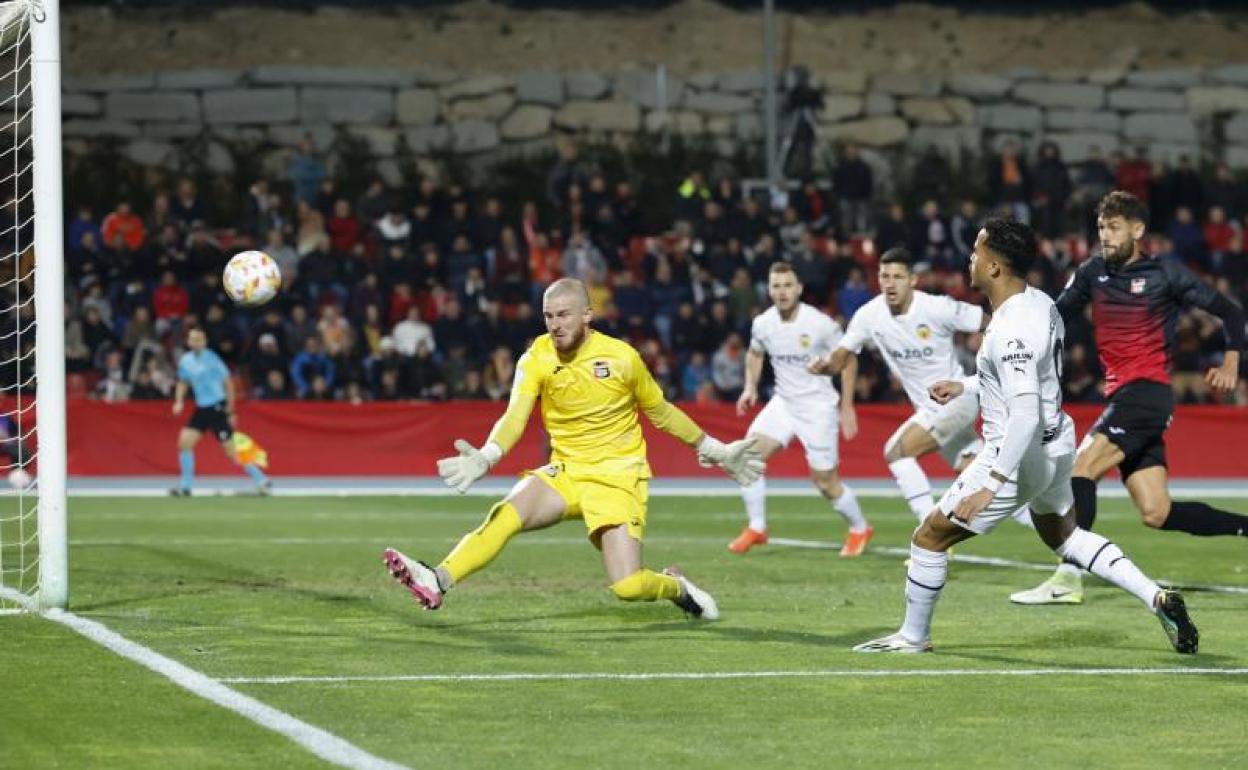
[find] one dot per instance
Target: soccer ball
(251, 278)
(19, 478)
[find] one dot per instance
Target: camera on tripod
(803, 101)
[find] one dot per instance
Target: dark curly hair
(1014, 241)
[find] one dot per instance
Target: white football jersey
(792, 345)
(917, 345)
(1022, 354)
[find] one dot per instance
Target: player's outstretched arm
(470, 464)
(740, 459)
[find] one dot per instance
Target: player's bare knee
(828, 483)
(1155, 513)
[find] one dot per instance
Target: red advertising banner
(406, 439)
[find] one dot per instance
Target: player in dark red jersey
(1136, 299)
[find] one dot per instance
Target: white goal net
(28, 545)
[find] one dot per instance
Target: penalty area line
(590, 676)
(323, 744)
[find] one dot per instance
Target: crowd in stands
(433, 291)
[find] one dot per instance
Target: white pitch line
(995, 561)
(325, 745)
(235, 542)
(705, 675)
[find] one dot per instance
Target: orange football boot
(856, 542)
(747, 540)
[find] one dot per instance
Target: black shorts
(1136, 421)
(212, 419)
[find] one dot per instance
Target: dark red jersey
(1135, 310)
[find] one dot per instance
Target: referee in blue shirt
(204, 373)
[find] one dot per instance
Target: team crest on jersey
(1137, 285)
(804, 341)
(924, 331)
(601, 370)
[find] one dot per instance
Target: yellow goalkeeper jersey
(590, 401)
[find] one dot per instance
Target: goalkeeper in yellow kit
(590, 386)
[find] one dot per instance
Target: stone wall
(427, 112)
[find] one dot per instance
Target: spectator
(83, 224)
(426, 379)
(728, 368)
(853, 184)
(139, 330)
(1220, 238)
(374, 203)
(932, 239)
(500, 370)
(963, 231)
(145, 389)
(1051, 190)
(371, 329)
(1226, 192)
(124, 223)
(112, 386)
(171, 301)
(344, 229)
(310, 366)
(582, 260)
(307, 172)
(854, 294)
(812, 270)
(394, 228)
(275, 387)
(283, 254)
(932, 178)
(460, 262)
(696, 378)
(1134, 175)
(266, 358)
(412, 332)
(691, 196)
(337, 336)
(1009, 182)
(1188, 240)
(894, 230)
(186, 207)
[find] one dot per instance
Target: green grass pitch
(249, 588)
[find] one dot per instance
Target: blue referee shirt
(206, 373)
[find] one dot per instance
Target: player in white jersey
(913, 332)
(1028, 456)
(805, 405)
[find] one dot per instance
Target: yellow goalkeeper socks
(646, 586)
(479, 547)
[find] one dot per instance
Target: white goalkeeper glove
(740, 459)
(460, 472)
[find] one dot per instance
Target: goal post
(34, 565)
(44, 20)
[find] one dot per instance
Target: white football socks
(925, 577)
(847, 506)
(755, 497)
(1106, 560)
(914, 486)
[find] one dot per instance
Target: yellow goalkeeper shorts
(602, 501)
